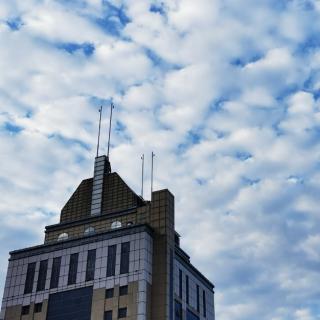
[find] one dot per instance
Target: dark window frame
(55, 273)
(187, 289)
(111, 260)
(198, 298)
(125, 257)
(180, 284)
(122, 312)
(109, 294)
(123, 290)
(73, 268)
(25, 310)
(204, 303)
(38, 307)
(28, 287)
(91, 264)
(108, 315)
(42, 277)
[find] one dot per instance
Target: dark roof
(117, 196)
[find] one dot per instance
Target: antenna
(98, 145)
(142, 173)
(152, 156)
(111, 108)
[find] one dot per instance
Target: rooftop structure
(112, 255)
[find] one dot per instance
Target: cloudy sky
(227, 95)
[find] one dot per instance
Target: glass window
(30, 277)
(187, 289)
(38, 307)
(180, 283)
(25, 310)
(111, 260)
(125, 253)
(63, 236)
(204, 304)
(73, 268)
(198, 298)
(109, 293)
(89, 230)
(56, 263)
(122, 312)
(178, 311)
(191, 315)
(42, 275)
(123, 290)
(108, 315)
(91, 262)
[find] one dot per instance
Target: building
(112, 255)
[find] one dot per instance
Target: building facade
(113, 255)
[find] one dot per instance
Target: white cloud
(225, 94)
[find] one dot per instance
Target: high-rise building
(112, 255)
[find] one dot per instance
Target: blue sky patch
(86, 48)
(15, 23)
(12, 128)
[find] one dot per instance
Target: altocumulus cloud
(226, 93)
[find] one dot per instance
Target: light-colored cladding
(193, 282)
(140, 271)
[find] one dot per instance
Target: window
(178, 311)
(89, 230)
(25, 310)
(116, 224)
(108, 315)
(191, 315)
(63, 236)
(187, 289)
(30, 277)
(198, 298)
(38, 307)
(42, 275)
(73, 267)
(111, 262)
(54, 281)
(91, 262)
(204, 304)
(123, 290)
(122, 312)
(180, 283)
(109, 293)
(124, 262)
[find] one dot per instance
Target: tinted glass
(122, 313)
(187, 289)
(108, 315)
(178, 311)
(42, 275)
(124, 262)
(123, 290)
(91, 262)
(111, 260)
(30, 277)
(109, 293)
(73, 268)
(191, 316)
(55, 272)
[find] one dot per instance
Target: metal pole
(111, 107)
(152, 156)
(142, 174)
(98, 145)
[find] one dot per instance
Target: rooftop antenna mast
(142, 174)
(111, 108)
(152, 156)
(98, 145)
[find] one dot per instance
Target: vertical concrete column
(162, 221)
(101, 167)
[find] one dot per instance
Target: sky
(227, 95)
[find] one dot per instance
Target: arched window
(63, 236)
(89, 230)
(116, 224)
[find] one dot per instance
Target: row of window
(122, 313)
(178, 313)
(198, 294)
(26, 309)
(123, 290)
(73, 268)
